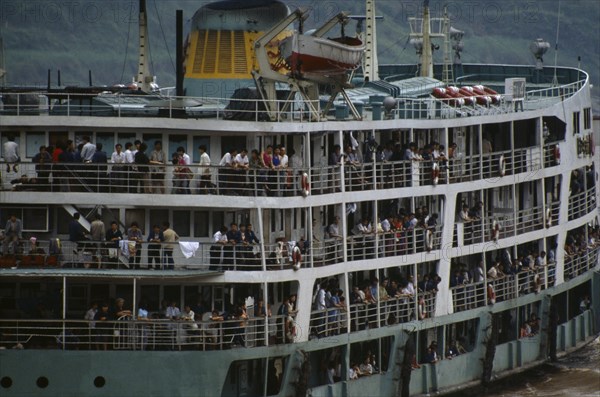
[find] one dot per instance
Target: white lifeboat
(318, 55)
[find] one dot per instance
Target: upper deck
(413, 103)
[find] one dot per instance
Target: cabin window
(587, 118)
(135, 215)
(107, 139)
(55, 137)
(126, 137)
(181, 223)
(176, 141)
(34, 141)
(201, 224)
(576, 129)
(35, 219)
(158, 216)
(201, 140)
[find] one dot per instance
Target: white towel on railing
(189, 248)
(124, 247)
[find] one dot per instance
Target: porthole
(99, 381)
(6, 382)
(42, 382)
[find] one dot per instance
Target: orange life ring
(305, 185)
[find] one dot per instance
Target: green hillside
(102, 36)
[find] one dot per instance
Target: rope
(164, 38)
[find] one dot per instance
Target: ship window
(42, 382)
(200, 140)
(55, 137)
(151, 294)
(135, 215)
(201, 223)
(123, 138)
(99, 292)
(172, 293)
(34, 141)
(6, 382)
(125, 291)
(77, 297)
(99, 381)
(176, 141)
(7, 292)
(218, 220)
(576, 128)
(157, 217)
(181, 223)
(587, 118)
(107, 139)
(35, 219)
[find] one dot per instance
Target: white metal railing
(582, 203)
(394, 310)
(581, 262)
(143, 334)
(123, 105)
(394, 243)
(468, 296)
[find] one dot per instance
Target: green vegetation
(96, 35)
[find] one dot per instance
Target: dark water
(576, 375)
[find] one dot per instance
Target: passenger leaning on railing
(11, 154)
(13, 232)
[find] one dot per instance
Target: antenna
(555, 78)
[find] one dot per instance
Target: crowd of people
(141, 167)
(394, 299)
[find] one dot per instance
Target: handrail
(276, 182)
(109, 104)
(146, 334)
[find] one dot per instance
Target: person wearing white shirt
(219, 241)
(91, 314)
(241, 160)
(173, 311)
(204, 167)
(129, 157)
(11, 153)
(118, 171)
(225, 173)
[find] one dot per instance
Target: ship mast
(371, 64)
(144, 78)
(426, 53)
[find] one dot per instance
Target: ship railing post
(266, 295)
(64, 310)
(170, 109)
(263, 259)
(118, 105)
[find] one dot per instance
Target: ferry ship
(430, 227)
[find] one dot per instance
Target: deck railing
(145, 334)
(581, 262)
(272, 182)
(582, 203)
(394, 310)
(109, 104)
(207, 256)
(468, 296)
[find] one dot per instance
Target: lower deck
(320, 367)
